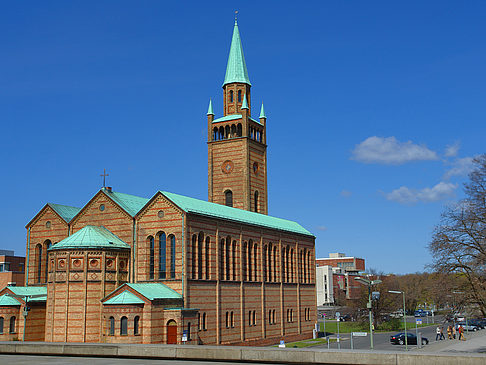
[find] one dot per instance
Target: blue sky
(374, 109)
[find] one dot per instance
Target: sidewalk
(475, 343)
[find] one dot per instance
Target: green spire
(236, 69)
(262, 112)
(244, 105)
(210, 108)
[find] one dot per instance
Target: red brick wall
(7, 313)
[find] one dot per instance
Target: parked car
(420, 313)
(399, 339)
(468, 327)
(477, 322)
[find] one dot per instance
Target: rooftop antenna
(104, 174)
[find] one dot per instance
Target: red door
(171, 332)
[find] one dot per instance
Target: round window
(48, 224)
(102, 207)
(160, 214)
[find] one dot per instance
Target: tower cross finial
(104, 174)
(236, 17)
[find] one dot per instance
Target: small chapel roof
(91, 237)
(151, 291)
(6, 300)
(236, 68)
(130, 203)
(65, 211)
(31, 293)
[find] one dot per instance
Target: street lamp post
(369, 284)
(404, 316)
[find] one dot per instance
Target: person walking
(437, 333)
(461, 334)
(449, 332)
(442, 337)
(454, 331)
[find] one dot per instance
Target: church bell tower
(237, 149)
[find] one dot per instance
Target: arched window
(206, 256)
(200, 242)
(275, 263)
(233, 261)
(221, 133)
(124, 326)
(273, 316)
(162, 255)
(204, 322)
(239, 96)
(227, 132)
(254, 318)
(215, 134)
(194, 255)
(1, 325)
(232, 320)
(151, 257)
(292, 265)
(249, 318)
(228, 198)
(250, 248)
(39, 262)
(233, 131)
(172, 241)
(255, 262)
(243, 262)
(111, 326)
(47, 245)
(221, 259)
(189, 331)
(231, 96)
(12, 324)
(239, 130)
(264, 268)
(136, 325)
(256, 201)
(227, 320)
(227, 258)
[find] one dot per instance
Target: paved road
(53, 360)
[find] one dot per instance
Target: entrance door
(171, 332)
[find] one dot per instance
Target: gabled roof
(31, 293)
(125, 297)
(236, 68)
(65, 211)
(6, 300)
(196, 206)
(150, 291)
(91, 237)
(129, 203)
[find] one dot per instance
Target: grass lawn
(347, 327)
(306, 343)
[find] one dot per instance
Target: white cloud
(405, 195)
(390, 151)
(460, 167)
(452, 150)
(346, 193)
(322, 228)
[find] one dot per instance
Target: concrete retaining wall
(243, 354)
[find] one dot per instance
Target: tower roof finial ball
(236, 17)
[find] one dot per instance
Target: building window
(273, 317)
(239, 96)
(136, 325)
(200, 241)
(249, 318)
(194, 249)
(227, 320)
(124, 326)
(1, 325)
(254, 318)
(228, 198)
(172, 256)
(204, 322)
(232, 320)
(111, 324)
(12, 324)
(256, 201)
(231, 96)
(47, 245)
(189, 331)
(206, 257)
(151, 257)
(162, 255)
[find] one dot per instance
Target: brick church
(170, 269)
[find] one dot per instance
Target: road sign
(282, 343)
(338, 315)
(418, 320)
(360, 334)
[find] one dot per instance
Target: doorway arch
(171, 332)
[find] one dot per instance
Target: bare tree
(459, 241)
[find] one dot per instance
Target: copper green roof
(210, 108)
(91, 237)
(125, 297)
(196, 206)
(31, 293)
(262, 112)
(232, 117)
(65, 211)
(244, 105)
(153, 291)
(130, 203)
(8, 300)
(236, 68)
